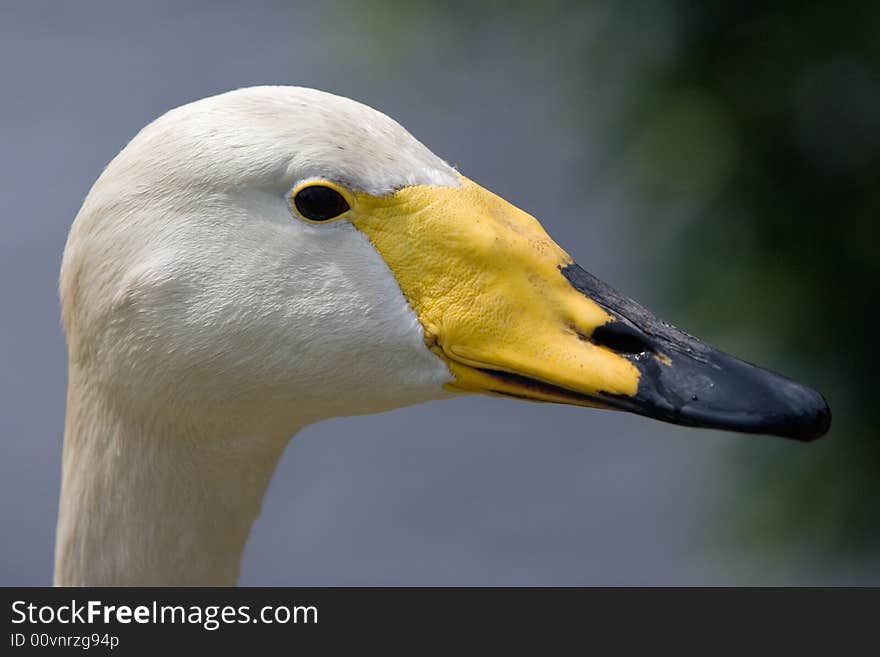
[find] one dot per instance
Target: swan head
(279, 253)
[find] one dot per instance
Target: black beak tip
(811, 420)
(718, 391)
(781, 407)
(695, 384)
(764, 403)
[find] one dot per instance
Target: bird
(263, 259)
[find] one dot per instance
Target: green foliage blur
(765, 126)
(747, 137)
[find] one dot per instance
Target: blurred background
(720, 165)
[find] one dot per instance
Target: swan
(263, 259)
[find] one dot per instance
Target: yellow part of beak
(485, 280)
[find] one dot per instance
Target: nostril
(621, 337)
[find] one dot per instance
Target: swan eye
(319, 203)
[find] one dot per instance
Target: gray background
(470, 491)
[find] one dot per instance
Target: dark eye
(319, 203)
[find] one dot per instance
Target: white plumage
(206, 326)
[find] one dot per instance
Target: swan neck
(145, 501)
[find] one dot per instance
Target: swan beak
(512, 314)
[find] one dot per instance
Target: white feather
(206, 325)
